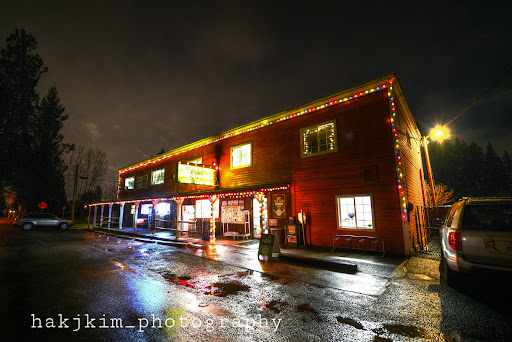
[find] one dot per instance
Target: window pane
(237, 157)
(318, 139)
(157, 177)
(241, 155)
(129, 183)
(246, 155)
(347, 212)
(355, 212)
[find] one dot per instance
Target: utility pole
(74, 194)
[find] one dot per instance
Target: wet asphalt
(79, 285)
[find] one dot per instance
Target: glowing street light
(438, 133)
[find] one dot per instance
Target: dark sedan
(29, 221)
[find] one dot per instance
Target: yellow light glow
(439, 133)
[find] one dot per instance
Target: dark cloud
(136, 77)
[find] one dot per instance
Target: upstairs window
(241, 156)
(319, 139)
(129, 183)
(142, 182)
(157, 177)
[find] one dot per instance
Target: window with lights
(319, 139)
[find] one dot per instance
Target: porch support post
(121, 214)
(95, 216)
(110, 214)
(135, 216)
(101, 217)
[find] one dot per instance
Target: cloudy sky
(136, 77)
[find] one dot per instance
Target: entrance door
(259, 220)
(256, 221)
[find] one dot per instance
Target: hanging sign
(196, 174)
(278, 206)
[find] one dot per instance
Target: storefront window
(355, 212)
(204, 209)
(145, 209)
(319, 139)
(241, 155)
(157, 177)
(129, 183)
(142, 182)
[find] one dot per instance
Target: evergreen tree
(507, 163)
(495, 176)
(31, 145)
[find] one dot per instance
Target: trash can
(280, 234)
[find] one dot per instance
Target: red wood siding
(364, 140)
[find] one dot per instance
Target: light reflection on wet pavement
(135, 280)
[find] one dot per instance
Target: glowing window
(319, 139)
(142, 182)
(129, 183)
(355, 212)
(157, 177)
(145, 209)
(163, 208)
(241, 156)
(196, 161)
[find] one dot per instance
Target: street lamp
(438, 133)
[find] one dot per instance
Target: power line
(482, 95)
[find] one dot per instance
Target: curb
(323, 264)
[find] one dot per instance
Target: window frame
(231, 155)
(302, 131)
(356, 228)
(152, 176)
(133, 186)
(145, 183)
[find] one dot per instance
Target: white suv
(477, 233)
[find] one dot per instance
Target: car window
(495, 217)
(451, 214)
(456, 216)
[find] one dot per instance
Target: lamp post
(438, 133)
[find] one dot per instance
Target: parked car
(477, 234)
(29, 221)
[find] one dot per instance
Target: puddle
(183, 281)
(224, 289)
(350, 322)
(275, 306)
(404, 330)
(308, 309)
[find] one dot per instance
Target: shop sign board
(278, 206)
(195, 174)
(291, 236)
(268, 246)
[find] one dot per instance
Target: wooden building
(350, 162)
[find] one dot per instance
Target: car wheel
(27, 226)
(451, 277)
(63, 226)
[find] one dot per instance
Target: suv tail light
(455, 241)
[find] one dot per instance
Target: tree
(495, 176)
(92, 168)
(31, 145)
(507, 162)
(442, 194)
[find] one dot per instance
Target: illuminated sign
(195, 174)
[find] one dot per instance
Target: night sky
(136, 77)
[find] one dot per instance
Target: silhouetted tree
(31, 143)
